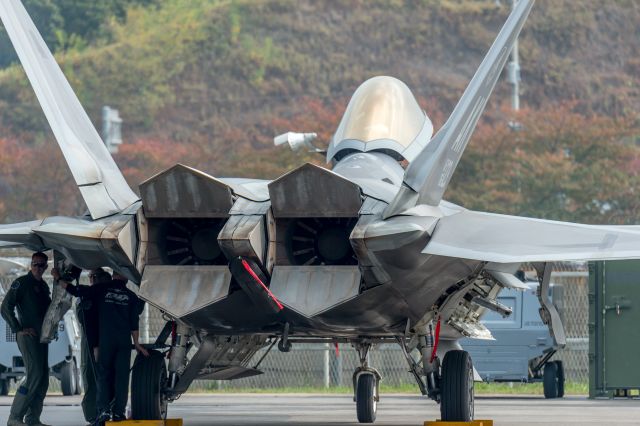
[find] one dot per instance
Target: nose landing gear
(366, 386)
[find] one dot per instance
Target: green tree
(87, 18)
(47, 18)
(69, 23)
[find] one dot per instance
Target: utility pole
(513, 69)
(111, 128)
(513, 76)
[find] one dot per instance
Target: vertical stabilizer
(428, 175)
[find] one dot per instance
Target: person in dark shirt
(119, 311)
(30, 296)
(87, 313)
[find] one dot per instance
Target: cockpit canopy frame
(383, 116)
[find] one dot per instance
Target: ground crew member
(87, 313)
(30, 296)
(119, 311)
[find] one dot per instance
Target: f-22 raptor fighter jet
(364, 253)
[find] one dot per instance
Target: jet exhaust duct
(316, 269)
(315, 211)
(185, 210)
(197, 226)
(188, 241)
(319, 241)
(185, 270)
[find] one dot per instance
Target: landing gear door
(548, 312)
(61, 301)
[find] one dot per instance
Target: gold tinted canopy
(381, 108)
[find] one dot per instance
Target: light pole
(111, 128)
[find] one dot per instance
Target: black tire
(550, 380)
(78, 380)
(148, 378)
(560, 376)
(68, 383)
(366, 404)
(457, 397)
(4, 387)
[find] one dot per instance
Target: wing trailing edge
(101, 183)
(428, 175)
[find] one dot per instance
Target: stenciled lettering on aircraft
(460, 142)
(496, 67)
(446, 170)
(463, 136)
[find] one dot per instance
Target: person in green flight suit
(29, 295)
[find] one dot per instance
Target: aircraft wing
(7, 244)
(510, 239)
(101, 183)
(21, 235)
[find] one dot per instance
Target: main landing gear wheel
(68, 378)
(79, 382)
(4, 383)
(553, 379)
(560, 375)
(456, 404)
(148, 379)
(366, 398)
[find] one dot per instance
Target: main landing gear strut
(449, 383)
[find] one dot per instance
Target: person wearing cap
(30, 297)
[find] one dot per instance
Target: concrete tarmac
(335, 410)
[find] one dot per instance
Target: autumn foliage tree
(35, 182)
(560, 165)
(142, 158)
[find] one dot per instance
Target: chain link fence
(325, 366)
